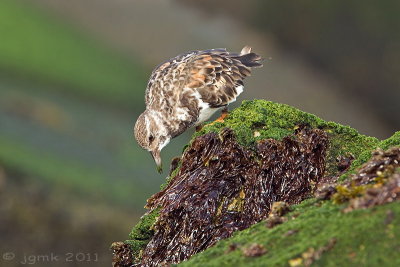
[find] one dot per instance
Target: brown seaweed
(222, 187)
(386, 193)
(375, 183)
(275, 217)
(254, 250)
(122, 254)
(381, 164)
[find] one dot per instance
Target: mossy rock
(259, 120)
(142, 233)
(366, 237)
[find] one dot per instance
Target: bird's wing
(215, 74)
(168, 77)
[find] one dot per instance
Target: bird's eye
(151, 139)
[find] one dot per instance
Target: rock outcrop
(231, 174)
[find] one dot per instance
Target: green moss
(363, 157)
(394, 140)
(143, 229)
(346, 141)
(364, 237)
(259, 119)
(137, 247)
(270, 120)
(142, 233)
(316, 226)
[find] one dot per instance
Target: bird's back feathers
(214, 76)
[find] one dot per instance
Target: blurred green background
(72, 81)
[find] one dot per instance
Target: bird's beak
(157, 158)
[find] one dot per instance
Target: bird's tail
(248, 58)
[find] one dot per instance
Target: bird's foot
(221, 119)
(224, 114)
(199, 127)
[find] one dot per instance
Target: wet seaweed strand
(223, 187)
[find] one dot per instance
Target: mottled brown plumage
(186, 90)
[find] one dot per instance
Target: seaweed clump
(222, 187)
(382, 165)
(259, 120)
(377, 182)
(275, 217)
(254, 250)
(122, 254)
(320, 226)
(228, 179)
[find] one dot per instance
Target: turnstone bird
(186, 90)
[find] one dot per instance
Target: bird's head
(151, 134)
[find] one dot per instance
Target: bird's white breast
(239, 90)
(206, 111)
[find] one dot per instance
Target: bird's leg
(199, 127)
(224, 114)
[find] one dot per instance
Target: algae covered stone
(262, 153)
(276, 121)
